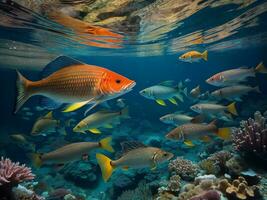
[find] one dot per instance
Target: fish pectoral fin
(180, 97)
(173, 101)
(189, 143)
(161, 102)
(95, 130)
(125, 167)
(75, 106)
(153, 166)
(91, 107)
(108, 126)
(206, 138)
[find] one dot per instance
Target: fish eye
(118, 81)
(165, 154)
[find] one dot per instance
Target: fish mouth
(129, 86)
(170, 156)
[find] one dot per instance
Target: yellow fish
(194, 56)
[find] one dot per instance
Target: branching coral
(11, 174)
(251, 137)
(215, 163)
(186, 169)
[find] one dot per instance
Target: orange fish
(74, 83)
(88, 34)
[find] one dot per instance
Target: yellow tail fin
(232, 109)
(106, 144)
(224, 133)
(261, 68)
(23, 95)
(205, 55)
(105, 165)
(36, 160)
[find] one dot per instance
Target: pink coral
(13, 173)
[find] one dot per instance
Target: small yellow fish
(194, 56)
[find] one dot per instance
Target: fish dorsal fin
(131, 145)
(214, 122)
(49, 115)
(59, 63)
(169, 83)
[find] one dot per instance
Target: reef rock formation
(82, 174)
(251, 137)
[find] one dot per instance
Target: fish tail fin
(36, 159)
(232, 109)
(205, 55)
(105, 165)
(257, 89)
(198, 119)
(125, 112)
(23, 95)
(106, 144)
(261, 68)
(224, 133)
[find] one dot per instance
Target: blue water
(234, 34)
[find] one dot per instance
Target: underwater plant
(186, 169)
(251, 137)
(11, 174)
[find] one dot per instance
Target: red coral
(13, 173)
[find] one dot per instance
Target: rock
(251, 177)
(82, 174)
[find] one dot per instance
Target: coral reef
(174, 183)
(142, 192)
(251, 137)
(186, 169)
(235, 165)
(208, 195)
(238, 189)
(216, 163)
(11, 174)
(22, 193)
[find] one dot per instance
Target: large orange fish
(74, 83)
